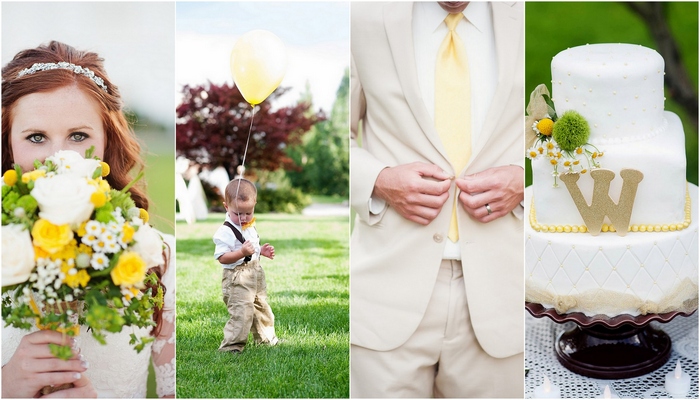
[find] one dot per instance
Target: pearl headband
(64, 65)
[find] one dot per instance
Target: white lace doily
(541, 360)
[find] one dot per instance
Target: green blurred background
(551, 27)
(159, 156)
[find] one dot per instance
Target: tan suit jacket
(394, 262)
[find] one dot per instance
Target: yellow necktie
(453, 105)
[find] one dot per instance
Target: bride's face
(46, 122)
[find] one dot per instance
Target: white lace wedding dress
(116, 370)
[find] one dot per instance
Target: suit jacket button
(437, 237)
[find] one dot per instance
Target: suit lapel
(399, 30)
(506, 25)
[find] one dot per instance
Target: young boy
(243, 285)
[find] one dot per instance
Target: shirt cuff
(376, 206)
(519, 210)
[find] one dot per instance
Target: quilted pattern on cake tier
(649, 271)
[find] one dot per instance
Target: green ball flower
(28, 203)
(9, 201)
(571, 131)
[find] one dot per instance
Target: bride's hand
(33, 366)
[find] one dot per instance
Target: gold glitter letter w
(601, 203)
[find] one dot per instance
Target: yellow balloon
(258, 64)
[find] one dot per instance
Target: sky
(315, 34)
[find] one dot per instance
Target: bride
(53, 107)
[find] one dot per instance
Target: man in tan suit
(436, 311)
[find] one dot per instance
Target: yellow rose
(40, 253)
(130, 270)
(33, 175)
(49, 237)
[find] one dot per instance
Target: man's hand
(417, 191)
(502, 188)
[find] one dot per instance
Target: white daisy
(89, 239)
(93, 228)
(532, 153)
(99, 261)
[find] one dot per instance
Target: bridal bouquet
(76, 251)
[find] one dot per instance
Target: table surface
(541, 360)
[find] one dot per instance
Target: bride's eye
(79, 136)
(36, 138)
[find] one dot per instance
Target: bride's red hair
(122, 149)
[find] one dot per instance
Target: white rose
(64, 199)
(70, 162)
(149, 245)
(17, 255)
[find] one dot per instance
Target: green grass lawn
(308, 286)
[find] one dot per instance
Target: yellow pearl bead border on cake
(608, 227)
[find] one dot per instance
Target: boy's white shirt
(226, 241)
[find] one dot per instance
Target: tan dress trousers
(441, 359)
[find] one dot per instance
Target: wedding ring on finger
(488, 208)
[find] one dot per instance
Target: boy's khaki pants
(245, 295)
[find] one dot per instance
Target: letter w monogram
(601, 204)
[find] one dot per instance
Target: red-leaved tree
(213, 123)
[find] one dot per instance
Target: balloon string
(250, 129)
(245, 154)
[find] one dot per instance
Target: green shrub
(281, 200)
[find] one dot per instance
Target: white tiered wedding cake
(650, 265)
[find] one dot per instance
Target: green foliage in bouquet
(81, 252)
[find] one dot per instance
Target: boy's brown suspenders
(239, 236)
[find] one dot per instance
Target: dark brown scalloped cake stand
(605, 347)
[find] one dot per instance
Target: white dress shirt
(226, 241)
